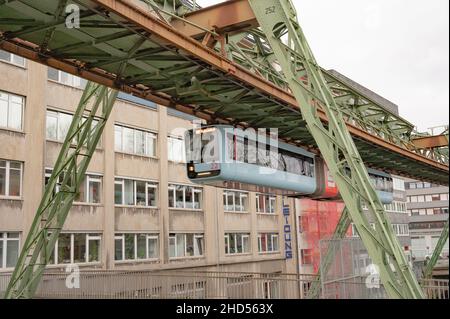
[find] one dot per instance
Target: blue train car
(229, 157)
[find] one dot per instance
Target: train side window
(251, 151)
(230, 146)
(240, 150)
(281, 163)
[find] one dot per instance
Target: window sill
(238, 255)
(267, 214)
(186, 258)
(13, 199)
(87, 204)
(268, 253)
(136, 155)
(186, 210)
(136, 207)
(98, 148)
(237, 213)
(11, 130)
(63, 266)
(137, 262)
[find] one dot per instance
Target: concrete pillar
(108, 248)
(163, 185)
(34, 124)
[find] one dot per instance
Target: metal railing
(104, 284)
(435, 288)
(169, 285)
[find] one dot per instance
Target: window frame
(269, 237)
(72, 78)
(148, 237)
(57, 114)
(243, 198)
(11, 60)
(9, 102)
(237, 237)
(170, 144)
(173, 236)
(4, 242)
(272, 204)
(7, 180)
(88, 237)
(146, 135)
(148, 184)
(173, 188)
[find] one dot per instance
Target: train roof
(379, 173)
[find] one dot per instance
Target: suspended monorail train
(228, 157)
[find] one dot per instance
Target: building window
(185, 197)
(307, 256)
(399, 184)
(133, 141)
(11, 179)
(76, 248)
(132, 247)
(135, 193)
(176, 151)
(237, 243)
(9, 249)
(58, 125)
(186, 245)
(401, 229)
(12, 58)
(11, 111)
(90, 189)
(66, 78)
(395, 207)
(268, 242)
(265, 204)
(235, 201)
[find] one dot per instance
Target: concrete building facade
(428, 209)
(136, 208)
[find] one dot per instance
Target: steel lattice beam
(279, 22)
(428, 271)
(70, 167)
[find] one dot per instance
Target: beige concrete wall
(106, 218)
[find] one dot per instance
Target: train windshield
(202, 145)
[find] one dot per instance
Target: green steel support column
(428, 271)
(70, 167)
(339, 233)
(279, 22)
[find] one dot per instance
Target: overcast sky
(397, 48)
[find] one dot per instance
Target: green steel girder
(428, 271)
(71, 165)
(279, 22)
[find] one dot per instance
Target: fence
(104, 284)
(171, 285)
(352, 275)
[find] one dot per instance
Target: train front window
(203, 146)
